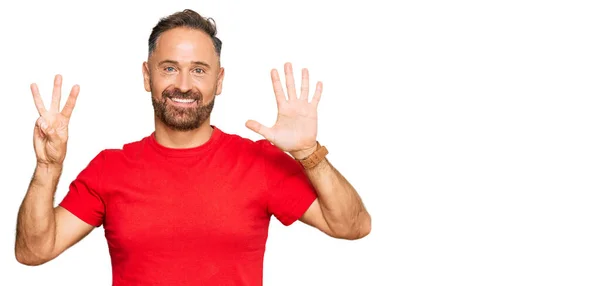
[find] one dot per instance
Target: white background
(470, 128)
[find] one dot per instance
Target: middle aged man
(188, 204)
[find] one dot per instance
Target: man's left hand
(295, 130)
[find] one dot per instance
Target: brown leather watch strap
(315, 158)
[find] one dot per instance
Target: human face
(184, 76)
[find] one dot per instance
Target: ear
(220, 81)
(146, 73)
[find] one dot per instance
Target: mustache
(175, 92)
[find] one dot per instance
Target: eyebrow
(177, 63)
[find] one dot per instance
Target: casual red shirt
(196, 216)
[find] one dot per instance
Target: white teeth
(183, 100)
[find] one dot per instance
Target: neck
(182, 139)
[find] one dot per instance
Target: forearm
(36, 225)
(340, 204)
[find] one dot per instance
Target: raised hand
(295, 130)
(51, 129)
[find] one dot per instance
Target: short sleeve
(83, 198)
(290, 192)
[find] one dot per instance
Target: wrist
(312, 157)
(51, 169)
(303, 153)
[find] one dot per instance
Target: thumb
(45, 129)
(260, 129)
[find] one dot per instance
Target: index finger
(37, 99)
(279, 94)
(70, 104)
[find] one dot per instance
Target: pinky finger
(317, 97)
(37, 132)
(40, 126)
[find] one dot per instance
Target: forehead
(185, 45)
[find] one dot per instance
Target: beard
(181, 118)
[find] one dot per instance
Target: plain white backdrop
(470, 128)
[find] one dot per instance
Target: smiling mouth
(182, 100)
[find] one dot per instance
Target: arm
(44, 232)
(338, 210)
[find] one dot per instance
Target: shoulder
(255, 147)
(269, 160)
(130, 149)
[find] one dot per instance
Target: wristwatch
(315, 158)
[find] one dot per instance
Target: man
(189, 204)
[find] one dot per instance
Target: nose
(183, 82)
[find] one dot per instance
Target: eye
(199, 70)
(169, 69)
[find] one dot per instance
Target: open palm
(296, 126)
(51, 129)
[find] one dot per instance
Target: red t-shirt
(196, 216)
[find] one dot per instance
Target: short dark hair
(186, 18)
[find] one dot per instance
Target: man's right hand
(51, 129)
(45, 231)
